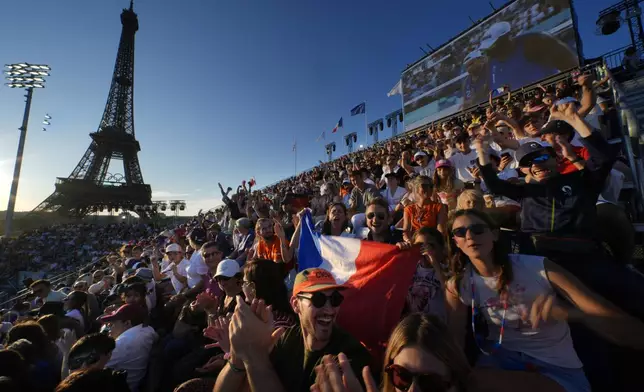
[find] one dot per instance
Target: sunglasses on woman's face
(379, 215)
(475, 229)
(319, 300)
(403, 379)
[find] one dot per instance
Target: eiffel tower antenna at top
(131, 5)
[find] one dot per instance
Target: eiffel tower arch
(90, 187)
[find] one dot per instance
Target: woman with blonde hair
(470, 199)
(424, 212)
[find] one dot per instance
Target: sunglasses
(206, 255)
(319, 300)
(475, 229)
(403, 379)
(379, 215)
(540, 159)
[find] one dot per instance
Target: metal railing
(614, 58)
(631, 131)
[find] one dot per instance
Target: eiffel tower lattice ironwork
(90, 187)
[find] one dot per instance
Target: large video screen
(526, 41)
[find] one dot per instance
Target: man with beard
(289, 365)
(271, 242)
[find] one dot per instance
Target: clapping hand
(204, 301)
(332, 376)
(217, 330)
(279, 230)
(251, 330)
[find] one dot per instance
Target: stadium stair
(634, 97)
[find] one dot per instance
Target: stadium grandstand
(498, 235)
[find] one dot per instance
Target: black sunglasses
(403, 379)
(206, 255)
(379, 215)
(476, 229)
(319, 300)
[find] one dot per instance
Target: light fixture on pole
(176, 206)
(350, 139)
(330, 148)
(29, 77)
(393, 119)
(374, 128)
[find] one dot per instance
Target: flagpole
(295, 155)
(402, 107)
(366, 131)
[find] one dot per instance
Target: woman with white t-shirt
(516, 320)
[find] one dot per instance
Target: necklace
(475, 314)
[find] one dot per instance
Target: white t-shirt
(394, 199)
(427, 170)
(196, 269)
(462, 162)
(426, 294)
(76, 315)
(551, 341)
(181, 270)
(132, 353)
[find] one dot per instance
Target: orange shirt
(425, 216)
(272, 251)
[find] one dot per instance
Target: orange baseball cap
(311, 280)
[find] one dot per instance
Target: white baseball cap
(228, 268)
(173, 248)
(495, 32)
(420, 154)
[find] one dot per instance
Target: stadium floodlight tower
(330, 148)
(374, 127)
(29, 77)
(392, 121)
(349, 140)
(610, 20)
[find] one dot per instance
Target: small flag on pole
(397, 89)
(338, 125)
(360, 109)
(321, 137)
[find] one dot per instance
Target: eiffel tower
(90, 187)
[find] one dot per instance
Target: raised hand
(332, 376)
(566, 149)
(564, 112)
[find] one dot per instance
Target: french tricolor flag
(377, 276)
(337, 126)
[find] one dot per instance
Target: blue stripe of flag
(308, 255)
(360, 109)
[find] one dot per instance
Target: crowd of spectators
(64, 247)
(545, 304)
